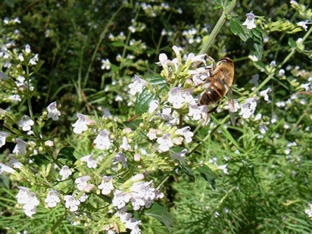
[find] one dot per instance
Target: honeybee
(218, 84)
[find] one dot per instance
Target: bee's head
(226, 60)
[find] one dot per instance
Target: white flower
(52, 199)
(103, 141)
(152, 133)
(15, 163)
(176, 98)
(120, 157)
(53, 112)
(153, 106)
(165, 143)
(253, 58)
(91, 163)
(235, 107)
(265, 95)
(34, 60)
(263, 129)
(81, 124)
(28, 199)
(143, 195)
(83, 197)
(180, 155)
(120, 199)
(309, 211)
(106, 64)
(65, 172)
(258, 116)
(197, 112)
(71, 203)
(281, 72)
(106, 185)
(21, 57)
(6, 169)
(15, 98)
(137, 85)
(248, 108)
(25, 123)
(82, 183)
(125, 145)
(303, 24)
(224, 168)
(187, 133)
(306, 86)
(250, 21)
(27, 49)
(20, 147)
(3, 136)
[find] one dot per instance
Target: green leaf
(292, 43)
(282, 26)
(208, 175)
(160, 213)
(188, 171)
(158, 81)
(118, 44)
(67, 153)
(40, 159)
(143, 100)
(238, 29)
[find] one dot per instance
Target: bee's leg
(212, 61)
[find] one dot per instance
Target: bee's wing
(231, 106)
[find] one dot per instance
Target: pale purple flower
(137, 85)
(103, 141)
(303, 24)
(53, 112)
(82, 183)
(120, 157)
(106, 64)
(180, 155)
(106, 185)
(3, 136)
(20, 147)
(26, 123)
(250, 21)
(197, 112)
(120, 199)
(71, 203)
(265, 95)
(52, 198)
(6, 169)
(165, 143)
(81, 124)
(186, 133)
(176, 98)
(152, 133)
(65, 172)
(248, 108)
(91, 163)
(153, 106)
(125, 145)
(28, 199)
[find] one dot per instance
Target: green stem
(28, 93)
(217, 28)
(271, 75)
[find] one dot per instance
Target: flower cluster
(28, 199)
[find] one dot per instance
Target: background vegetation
(254, 177)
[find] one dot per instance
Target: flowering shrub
(106, 131)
